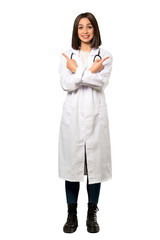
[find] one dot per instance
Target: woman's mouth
(86, 36)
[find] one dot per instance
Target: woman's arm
(69, 80)
(98, 80)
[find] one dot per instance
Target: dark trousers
(72, 191)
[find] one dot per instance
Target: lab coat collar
(93, 52)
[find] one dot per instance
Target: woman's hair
(96, 40)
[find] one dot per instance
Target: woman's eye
(80, 28)
(90, 27)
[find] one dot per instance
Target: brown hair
(96, 40)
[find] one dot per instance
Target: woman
(84, 141)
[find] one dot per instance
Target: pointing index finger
(65, 56)
(105, 59)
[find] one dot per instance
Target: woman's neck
(85, 47)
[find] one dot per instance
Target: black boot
(72, 222)
(92, 225)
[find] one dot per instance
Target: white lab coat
(84, 126)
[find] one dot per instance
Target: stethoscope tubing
(97, 55)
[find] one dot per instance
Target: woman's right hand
(97, 66)
(71, 63)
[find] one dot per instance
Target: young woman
(84, 140)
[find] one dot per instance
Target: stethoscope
(95, 57)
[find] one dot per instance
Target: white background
(32, 198)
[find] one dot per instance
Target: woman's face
(85, 30)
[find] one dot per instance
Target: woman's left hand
(71, 63)
(97, 66)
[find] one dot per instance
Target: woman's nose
(85, 30)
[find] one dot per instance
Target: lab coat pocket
(67, 113)
(103, 115)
